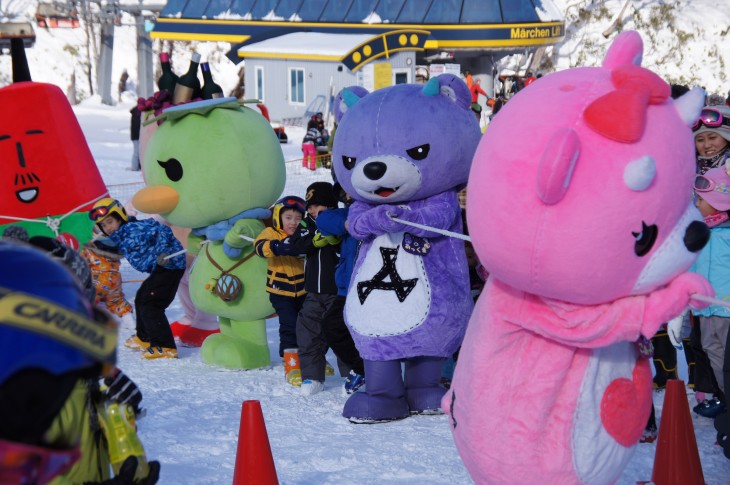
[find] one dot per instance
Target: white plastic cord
(709, 299)
(183, 251)
(54, 223)
(443, 232)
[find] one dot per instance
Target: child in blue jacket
(713, 201)
(146, 244)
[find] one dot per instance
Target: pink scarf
(716, 219)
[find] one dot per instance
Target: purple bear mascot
(403, 152)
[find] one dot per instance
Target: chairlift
(53, 16)
(16, 29)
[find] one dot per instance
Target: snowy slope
(685, 41)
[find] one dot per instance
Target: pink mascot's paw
(667, 303)
(694, 284)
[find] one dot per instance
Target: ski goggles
(711, 118)
(293, 202)
(24, 464)
(705, 184)
(98, 213)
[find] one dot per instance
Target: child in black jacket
(320, 322)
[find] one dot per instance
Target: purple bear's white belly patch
(390, 293)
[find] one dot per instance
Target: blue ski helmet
(289, 202)
(46, 321)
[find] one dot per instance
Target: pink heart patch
(626, 405)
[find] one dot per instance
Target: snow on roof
(548, 11)
(305, 43)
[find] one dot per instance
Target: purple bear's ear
(346, 99)
(450, 86)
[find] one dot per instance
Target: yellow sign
(554, 31)
(383, 45)
(383, 74)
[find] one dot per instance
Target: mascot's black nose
(374, 170)
(696, 236)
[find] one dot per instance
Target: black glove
(282, 248)
(127, 471)
(275, 247)
(123, 390)
(162, 260)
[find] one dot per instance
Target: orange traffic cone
(254, 462)
(677, 460)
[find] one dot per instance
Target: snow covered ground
(193, 410)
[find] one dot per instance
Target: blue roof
(356, 11)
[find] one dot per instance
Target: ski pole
(249, 239)
(443, 232)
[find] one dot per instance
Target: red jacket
(476, 90)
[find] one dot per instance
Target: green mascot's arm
(243, 227)
(194, 244)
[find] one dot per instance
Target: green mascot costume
(215, 167)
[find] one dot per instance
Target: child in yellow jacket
(285, 278)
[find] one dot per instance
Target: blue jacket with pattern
(143, 241)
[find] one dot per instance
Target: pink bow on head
(621, 114)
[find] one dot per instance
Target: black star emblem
(401, 287)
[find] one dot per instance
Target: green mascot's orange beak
(156, 199)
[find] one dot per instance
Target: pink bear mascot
(579, 205)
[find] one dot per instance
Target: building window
(401, 76)
(260, 83)
(296, 86)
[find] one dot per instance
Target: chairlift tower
(107, 14)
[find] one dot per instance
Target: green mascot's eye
(173, 169)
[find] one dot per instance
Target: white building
(299, 74)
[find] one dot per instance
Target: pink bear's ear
(689, 105)
(628, 48)
(556, 166)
